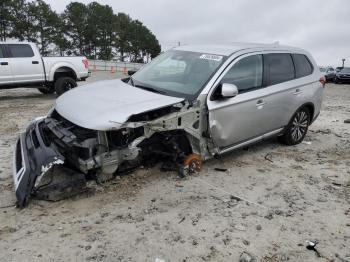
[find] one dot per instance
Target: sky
(322, 27)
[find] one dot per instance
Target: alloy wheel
(299, 125)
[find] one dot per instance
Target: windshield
(345, 70)
(178, 73)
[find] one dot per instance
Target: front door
(5, 68)
(243, 117)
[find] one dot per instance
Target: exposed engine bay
(55, 157)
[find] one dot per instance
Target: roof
(227, 50)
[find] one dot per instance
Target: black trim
(295, 69)
(2, 51)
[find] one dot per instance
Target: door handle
(35, 62)
(4, 63)
(260, 103)
(297, 92)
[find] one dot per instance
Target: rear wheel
(63, 84)
(297, 127)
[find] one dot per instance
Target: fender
(53, 69)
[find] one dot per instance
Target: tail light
(323, 81)
(86, 63)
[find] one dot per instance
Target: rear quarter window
(1, 53)
(303, 67)
(19, 50)
(278, 68)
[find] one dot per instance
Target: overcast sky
(321, 27)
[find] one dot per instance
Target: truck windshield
(178, 73)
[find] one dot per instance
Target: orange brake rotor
(193, 162)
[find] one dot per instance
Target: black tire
(63, 84)
(297, 127)
(46, 90)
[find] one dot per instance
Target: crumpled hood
(107, 104)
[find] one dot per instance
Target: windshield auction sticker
(211, 57)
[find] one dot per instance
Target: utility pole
(343, 60)
(178, 43)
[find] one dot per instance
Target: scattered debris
(311, 245)
(232, 197)
(307, 142)
(258, 227)
(246, 242)
(220, 169)
(179, 189)
(182, 220)
(246, 257)
(159, 260)
(347, 121)
(336, 184)
(240, 227)
(268, 157)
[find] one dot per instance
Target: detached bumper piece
(38, 168)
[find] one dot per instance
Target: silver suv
(188, 105)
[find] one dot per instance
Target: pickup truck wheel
(297, 127)
(46, 90)
(64, 84)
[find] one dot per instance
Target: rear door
(5, 69)
(281, 87)
(26, 66)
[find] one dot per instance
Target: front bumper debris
(34, 158)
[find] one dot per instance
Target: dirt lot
(292, 194)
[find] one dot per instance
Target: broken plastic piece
(220, 169)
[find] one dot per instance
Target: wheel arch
(311, 107)
(64, 71)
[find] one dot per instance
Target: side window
(1, 53)
(20, 50)
(246, 74)
(303, 66)
(278, 68)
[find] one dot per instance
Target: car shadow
(14, 96)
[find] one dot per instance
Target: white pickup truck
(21, 65)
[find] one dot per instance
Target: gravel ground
(286, 195)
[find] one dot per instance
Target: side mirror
(228, 90)
(131, 72)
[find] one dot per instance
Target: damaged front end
(39, 165)
(54, 157)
